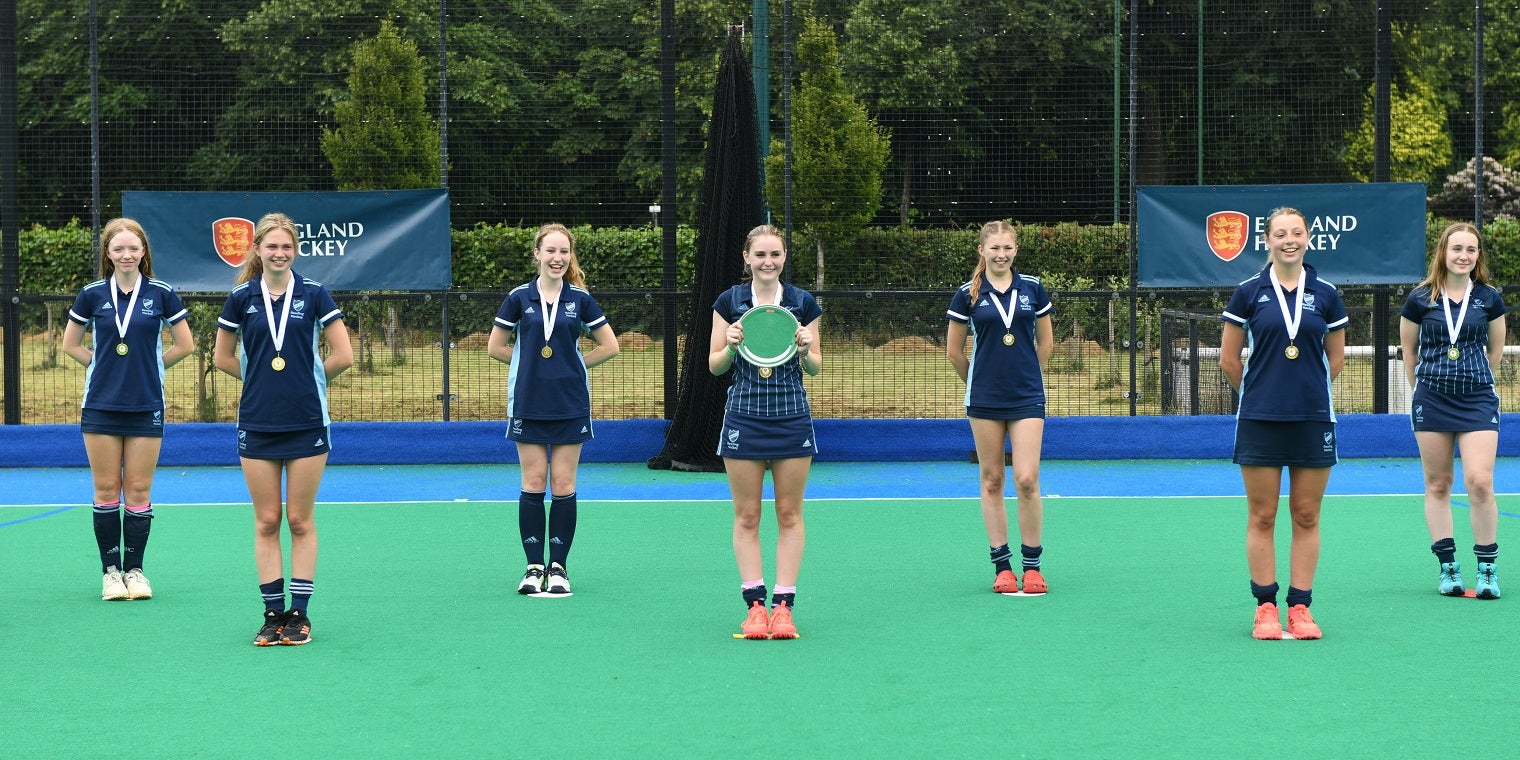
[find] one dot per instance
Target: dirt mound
(474, 341)
(635, 341)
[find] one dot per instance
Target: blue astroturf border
(839, 440)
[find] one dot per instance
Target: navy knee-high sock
(530, 523)
(561, 527)
(135, 526)
(108, 534)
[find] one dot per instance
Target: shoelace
(1486, 577)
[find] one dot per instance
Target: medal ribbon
(550, 306)
(277, 332)
(1453, 327)
(123, 320)
(1006, 314)
(1297, 317)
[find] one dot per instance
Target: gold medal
(121, 349)
(1291, 351)
(277, 364)
(1453, 353)
(1007, 339)
(765, 371)
(546, 352)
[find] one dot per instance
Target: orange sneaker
(758, 624)
(1301, 624)
(1268, 625)
(781, 622)
(1034, 583)
(1006, 583)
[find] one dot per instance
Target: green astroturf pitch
(422, 649)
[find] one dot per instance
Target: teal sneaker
(1488, 581)
(1451, 579)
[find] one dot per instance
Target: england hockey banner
(358, 240)
(1210, 236)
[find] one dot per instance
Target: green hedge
(497, 257)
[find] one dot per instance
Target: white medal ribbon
(123, 319)
(277, 331)
(780, 290)
(1006, 314)
(1453, 327)
(1292, 321)
(550, 306)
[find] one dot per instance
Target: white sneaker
(111, 586)
(137, 585)
(558, 582)
(532, 581)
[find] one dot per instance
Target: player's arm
(224, 353)
(1409, 343)
(499, 345)
(73, 343)
(1044, 339)
(720, 347)
(955, 348)
(606, 346)
(184, 343)
(1231, 341)
(1496, 333)
(812, 355)
(1335, 351)
(340, 351)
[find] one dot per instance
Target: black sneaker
(557, 582)
(297, 629)
(269, 635)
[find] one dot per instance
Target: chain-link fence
(1047, 112)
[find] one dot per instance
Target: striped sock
(1002, 558)
(784, 595)
(274, 594)
(1445, 550)
(1487, 552)
(300, 593)
(1031, 556)
(753, 591)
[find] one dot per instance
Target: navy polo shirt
(1274, 387)
(135, 382)
(294, 398)
(557, 387)
(1001, 376)
(781, 394)
(1439, 372)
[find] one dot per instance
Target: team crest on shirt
(570, 309)
(147, 307)
(298, 309)
(1308, 300)
(1024, 302)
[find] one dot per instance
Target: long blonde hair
(573, 275)
(989, 229)
(253, 266)
(1435, 278)
(116, 227)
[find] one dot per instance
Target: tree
(385, 139)
(1419, 145)
(838, 152)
